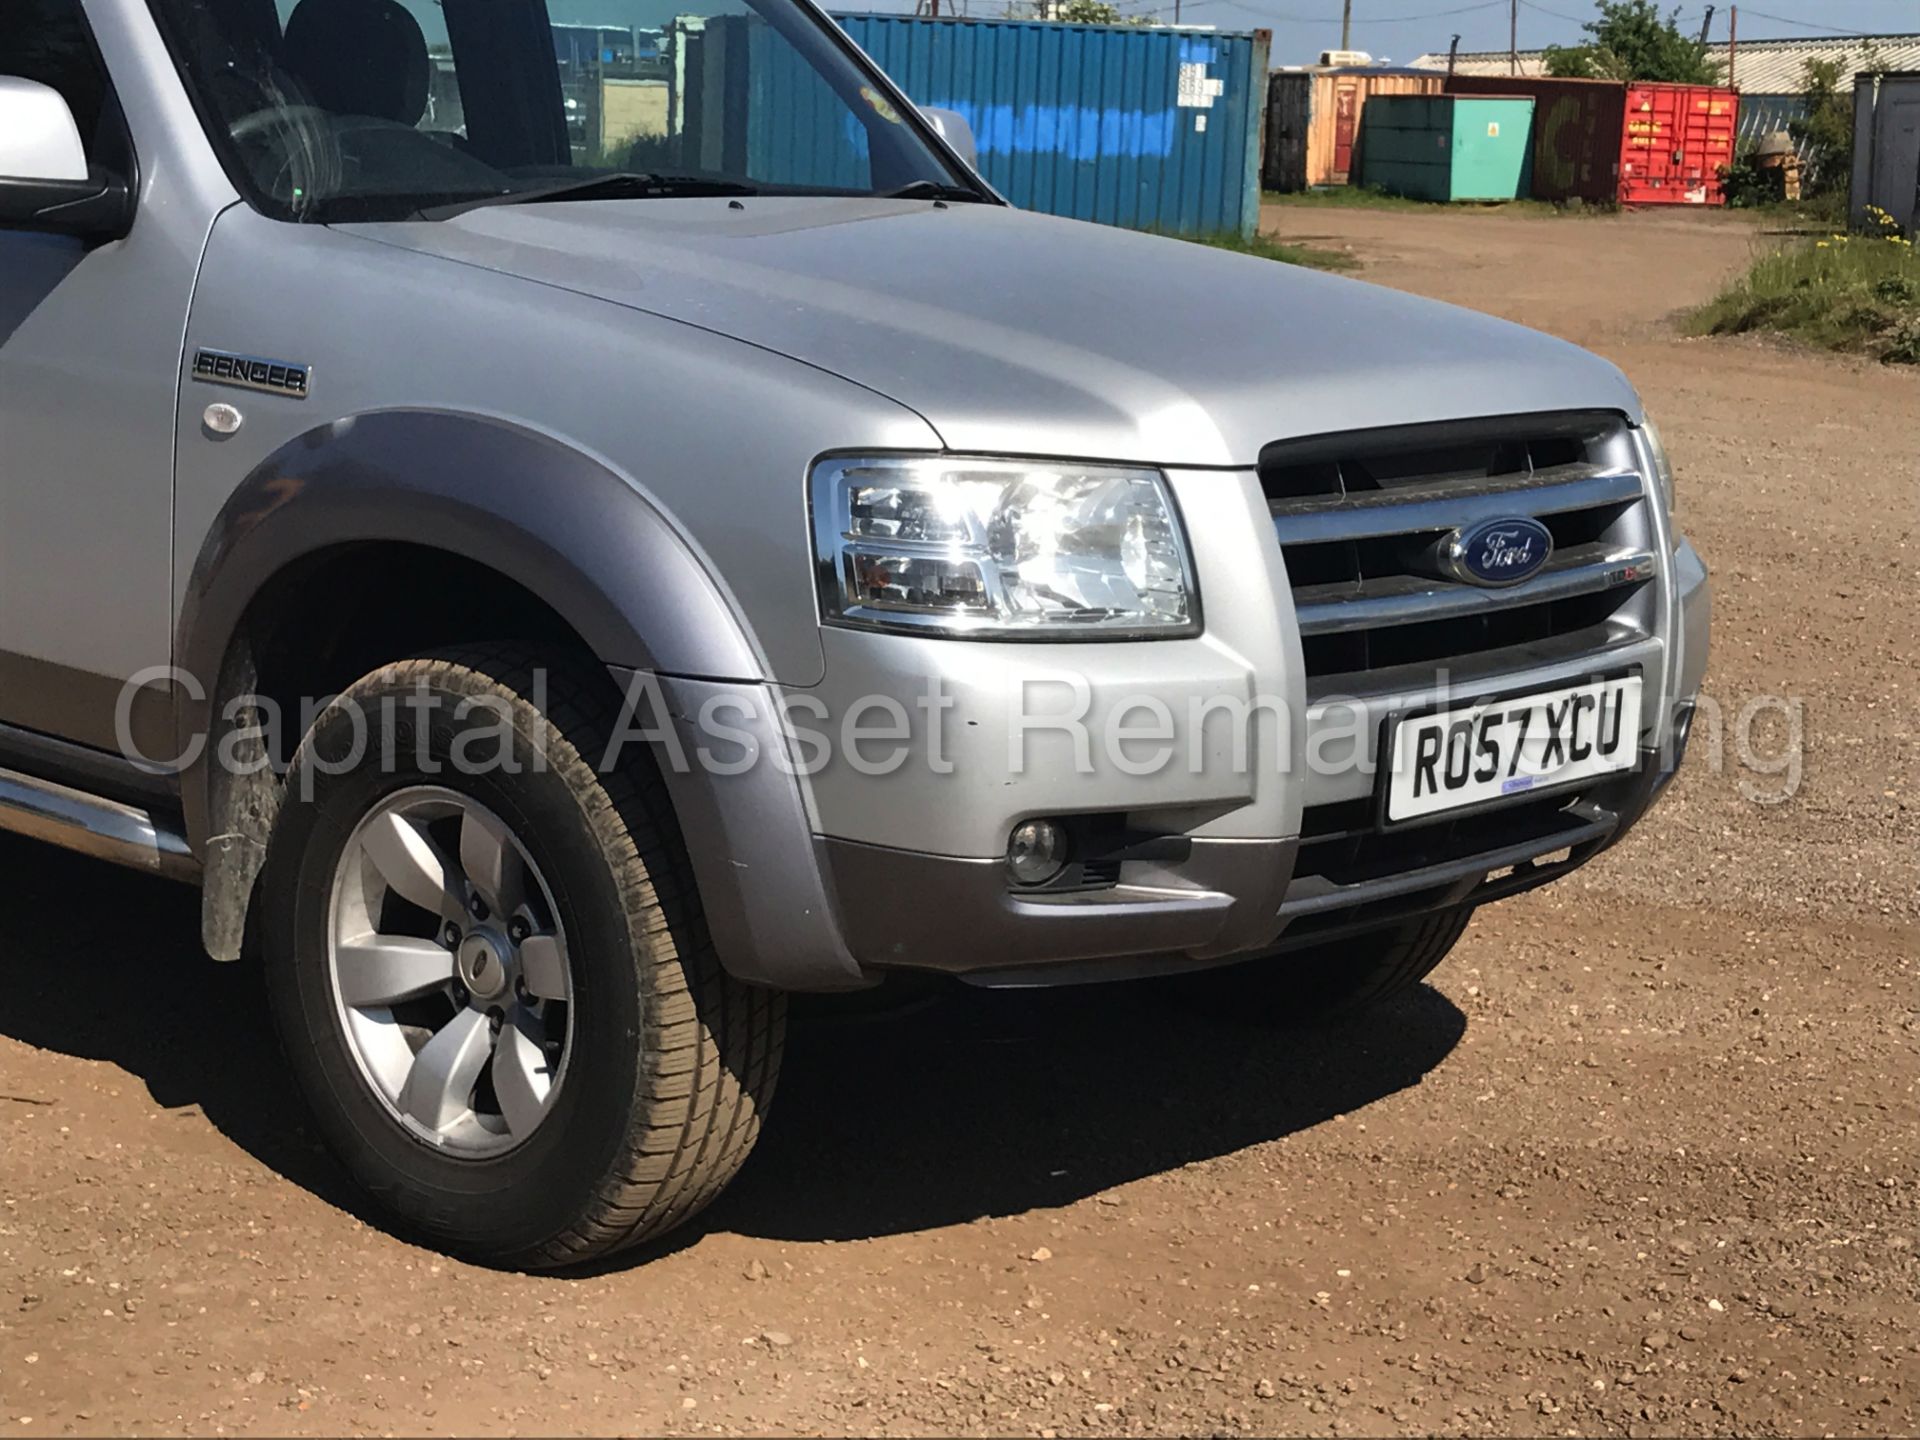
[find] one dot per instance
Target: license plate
(1506, 749)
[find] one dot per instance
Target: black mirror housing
(96, 209)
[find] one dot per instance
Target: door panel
(35, 265)
(1346, 126)
(87, 385)
(89, 367)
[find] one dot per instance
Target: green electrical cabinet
(1447, 147)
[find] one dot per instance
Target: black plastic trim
(1443, 434)
(907, 910)
(98, 208)
(81, 767)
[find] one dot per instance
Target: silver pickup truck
(566, 548)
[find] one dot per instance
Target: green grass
(1267, 248)
(1826, 212)
(1859, 294)
(1355, 197)
(1343, 197)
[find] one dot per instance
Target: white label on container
(1196, 91)
(1199, 122)
(1493, 129)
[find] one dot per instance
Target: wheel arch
(581, 558)
(561, 523)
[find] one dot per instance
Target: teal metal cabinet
(1448, 148)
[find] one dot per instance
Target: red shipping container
(1577, 129)
(1678, 139)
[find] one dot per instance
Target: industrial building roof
(1763, 67)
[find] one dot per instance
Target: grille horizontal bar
(1413, 599)
(1314, 894)
(1363, 521)
(1604, 646)
(1420, 509)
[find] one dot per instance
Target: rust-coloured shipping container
(1578, 126)
(1678, 139)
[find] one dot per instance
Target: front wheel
(490, 971)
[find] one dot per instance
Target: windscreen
(394, 109)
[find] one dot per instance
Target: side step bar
(103, 829)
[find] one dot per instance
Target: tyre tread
(710, 1045)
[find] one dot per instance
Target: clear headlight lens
(1662, 466)
(1019, 548)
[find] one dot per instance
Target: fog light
(1036, 852)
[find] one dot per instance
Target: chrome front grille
(1360, 517)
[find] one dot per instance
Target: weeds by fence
(1858, 293)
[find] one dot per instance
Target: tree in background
(1094, 12)
(1825, 133)
(1632, 42)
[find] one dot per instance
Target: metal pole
(1513, 39)
(1733, 41)
(1453, 56)
(1346, 26)
(1706, 26)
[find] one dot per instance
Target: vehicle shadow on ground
(889, 1118)
(105, 964)
(992, 1103)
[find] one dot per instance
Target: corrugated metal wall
(1283, 163)
(1679, 140)
(1314, 117)
(1763, 116)
(1152, 128)
(1339, 101)
(1339, 104)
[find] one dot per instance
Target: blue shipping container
(1129, 125)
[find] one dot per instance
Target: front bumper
(1229, 899)
(829, 880)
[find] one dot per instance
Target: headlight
(1020, 549)
(1662, 466)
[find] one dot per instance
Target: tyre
(493, 981)
(1341, 977)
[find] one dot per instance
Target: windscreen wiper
(935, 190)
(622, 185)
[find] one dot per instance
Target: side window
(717, 89)
(48, 41)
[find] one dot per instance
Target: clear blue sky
(1402, 29)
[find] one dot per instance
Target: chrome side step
(103, 829)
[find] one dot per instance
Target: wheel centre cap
(482, 963)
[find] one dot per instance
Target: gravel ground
(1640, 1160)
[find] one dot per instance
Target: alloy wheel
(449, 971)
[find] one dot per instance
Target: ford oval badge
(1498, 552)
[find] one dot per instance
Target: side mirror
(953, 128)
(45, 183)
